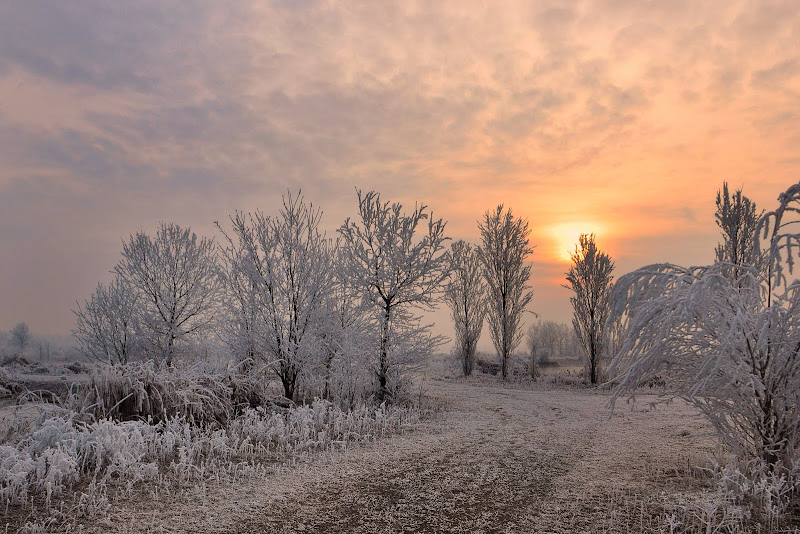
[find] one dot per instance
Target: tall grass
(143, 425)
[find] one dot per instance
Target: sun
(564, 237)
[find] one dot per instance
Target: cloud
(777, 75)
(115, 116)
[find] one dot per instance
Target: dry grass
(144, 428)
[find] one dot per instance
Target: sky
(618, 117)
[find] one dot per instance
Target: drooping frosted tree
(505, 246)
(730, 346)
(176, 276)
(466, 296)
(398, 264)
(590, 280)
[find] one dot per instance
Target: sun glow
(564, 237)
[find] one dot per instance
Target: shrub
(144, 391)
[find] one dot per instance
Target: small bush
(744, 498)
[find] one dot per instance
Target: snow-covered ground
(496, 459)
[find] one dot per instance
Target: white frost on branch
(176, 275)
(398, 265)
(278, 279)
(505, 245)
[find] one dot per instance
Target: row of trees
(21, 341)
(276, 289)
(591, 282)
(491, 281)
(726, 336)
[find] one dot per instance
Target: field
(495, 460)
(488, 456)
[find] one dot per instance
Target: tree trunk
(170, 350)
(467, 363)
(383, 364)
(328, 361)
(288, 376)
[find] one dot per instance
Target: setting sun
(564, 238)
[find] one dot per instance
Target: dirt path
(498, 460)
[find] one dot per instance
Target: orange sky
(621, 118)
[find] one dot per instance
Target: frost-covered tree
(737, 218)
(240, 303)
(590, 280)
(466, 296)
(397, 267)
(176, 276)
(21, 336)
(284, 276)
(505, 246)
(108, 324)
(730, 347)
(343, 326)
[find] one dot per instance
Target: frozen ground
(498, 459)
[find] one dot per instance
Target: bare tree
(176, 275)
(466, 296)
(505, 246)
(21, 336)
(108, 325)
(590, 280)
(286, 275)
(730, 347)
(396, 269)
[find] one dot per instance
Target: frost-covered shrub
(62, 449)
(144, 391)
(744, 498)
(315, 426)
(765, 495)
